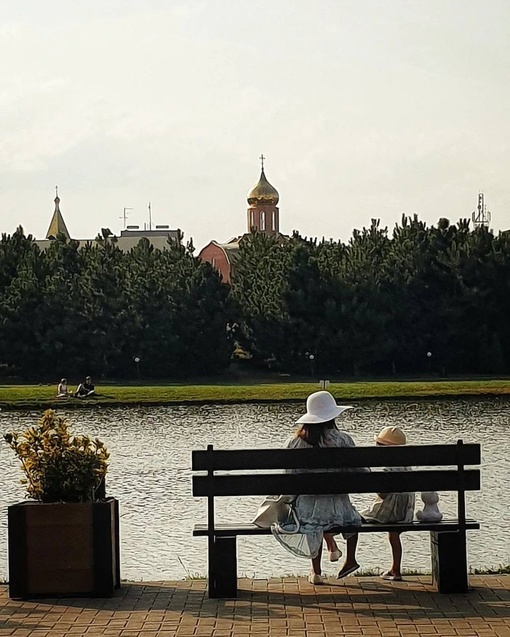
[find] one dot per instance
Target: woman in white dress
(319, 513)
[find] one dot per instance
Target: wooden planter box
(64, 549)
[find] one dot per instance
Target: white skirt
(317, 514)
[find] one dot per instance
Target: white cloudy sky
(363, 108)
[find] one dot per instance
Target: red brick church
(263, 216)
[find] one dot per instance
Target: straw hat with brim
(321, 407)
(391, 436)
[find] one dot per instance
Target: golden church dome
(263, 193)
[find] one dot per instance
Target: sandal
(344, 572)
(388, 575)
(316, 579)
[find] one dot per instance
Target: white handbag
(275, 510)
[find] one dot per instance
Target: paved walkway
(278, 607)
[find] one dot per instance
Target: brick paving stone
(287, 607)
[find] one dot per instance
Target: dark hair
(313, 434)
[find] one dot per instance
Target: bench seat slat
(409, 455)
(335, 483)
(228, 530)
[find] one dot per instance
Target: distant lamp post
(429, 358)
(311, 358)
(137, 361)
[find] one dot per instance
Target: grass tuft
(502, 569)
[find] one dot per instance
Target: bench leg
(449, 561)
(223, 567)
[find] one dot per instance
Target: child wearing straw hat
(392, 507)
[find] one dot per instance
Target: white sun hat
(321, 407)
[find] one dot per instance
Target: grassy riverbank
(43, 396)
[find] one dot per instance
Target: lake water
(150, 475)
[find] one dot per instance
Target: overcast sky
(363, 108)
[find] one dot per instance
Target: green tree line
(417, 300)
(67, 311)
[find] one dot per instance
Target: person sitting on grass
(86, 389)
(62, 391)
(389, 508)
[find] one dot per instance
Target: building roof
(128, 239)
(231, 249)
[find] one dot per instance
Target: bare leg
(329, 538)
(316, 563)
(352, 543)
(350, 564)
(396, 551)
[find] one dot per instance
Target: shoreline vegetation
(43, 396)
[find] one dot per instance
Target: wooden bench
(252, 472)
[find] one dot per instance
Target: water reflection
(150, 475)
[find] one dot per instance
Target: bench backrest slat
(335, 482)
(410, 456)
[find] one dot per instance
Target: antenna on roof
(125, 216)
(481, 216)
(150, 216)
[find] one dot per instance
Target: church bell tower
(263, 212)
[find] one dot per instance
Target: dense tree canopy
(416, 300)
(68, 311)
(423, 299)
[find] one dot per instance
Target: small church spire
(57, 223)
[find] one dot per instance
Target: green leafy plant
(59, 466)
